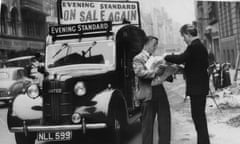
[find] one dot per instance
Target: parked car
(30, 64)
(9, 77)
(22, 61)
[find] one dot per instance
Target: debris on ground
(228, 97)
(235, 121)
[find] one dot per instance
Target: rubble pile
(228, 97)
(235, 121)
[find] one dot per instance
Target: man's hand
(164, 55)
(159, 70)
(170, 78)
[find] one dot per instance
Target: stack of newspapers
(163, 69)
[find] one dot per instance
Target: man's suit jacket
(195, 58)
(144, 76)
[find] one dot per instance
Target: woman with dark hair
(129, 42)
(195, 59)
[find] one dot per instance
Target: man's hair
(148, 41)
(188, 29)
(150, 38)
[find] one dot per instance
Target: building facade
(158, 23)
(22, 27)
(219, 27)
(50, 7)
(229, 26)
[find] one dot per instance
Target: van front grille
(57, 103)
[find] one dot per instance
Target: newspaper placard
(77, 11)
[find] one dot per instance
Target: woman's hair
(130, 38)
(188, 29)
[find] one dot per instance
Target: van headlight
(76, 118)
(33, 91)
(80, 89)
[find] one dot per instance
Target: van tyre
(115, 130)
(22, 139)
(117, 118)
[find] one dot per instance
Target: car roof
(20, 58)
(10, 69)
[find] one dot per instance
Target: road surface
(183, 131)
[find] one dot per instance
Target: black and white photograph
(119, 72)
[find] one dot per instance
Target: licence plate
(54, 136)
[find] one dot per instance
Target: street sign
(79, 11)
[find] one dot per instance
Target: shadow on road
(132, 131)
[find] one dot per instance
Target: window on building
(233, 58)
(230, 20)
(224, 56)
(212, 12)
(226, 23)
(38, 30)
(3, 19)
(14, 19)
(216, 48)
(33, 24)
(228, 56)
(222, 16)
(29, 28)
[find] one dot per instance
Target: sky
(181, 11)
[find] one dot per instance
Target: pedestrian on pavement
(154, 98)
(195, 59)
(211, 58)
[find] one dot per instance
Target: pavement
(5, 136)
(223, 121)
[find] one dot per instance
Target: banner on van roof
(77, 11)
(80, 28)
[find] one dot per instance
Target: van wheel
(117, 118)
(22, 139)
(115, 130)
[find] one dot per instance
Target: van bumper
(58, 127)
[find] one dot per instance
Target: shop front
(10, 47)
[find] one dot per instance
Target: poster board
(78, 11)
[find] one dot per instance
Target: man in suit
(195, 59)
(154, 98)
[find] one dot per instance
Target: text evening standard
(79, 28)
(84, 11)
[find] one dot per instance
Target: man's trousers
(159, 106)
(198, 103)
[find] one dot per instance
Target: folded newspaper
(164, 70)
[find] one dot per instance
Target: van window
(100, 52)
(4, 75)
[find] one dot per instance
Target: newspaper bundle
(164, 70)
